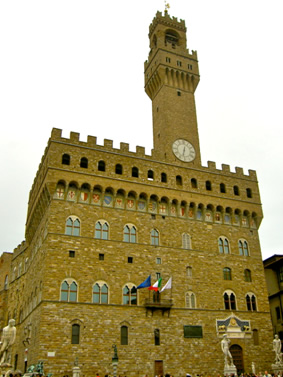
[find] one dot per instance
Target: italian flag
(156, 285)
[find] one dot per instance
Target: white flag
(168, 285)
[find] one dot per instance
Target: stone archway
(237, 354)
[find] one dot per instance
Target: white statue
(277, 349)
(7, 340)
(225, 342)
(253, 368)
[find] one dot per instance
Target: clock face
(183, 150)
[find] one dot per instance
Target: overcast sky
(78, 66)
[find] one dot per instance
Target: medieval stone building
(101, 220)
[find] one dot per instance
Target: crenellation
(91, 141)
(239, 171)
(56, 133)
(74, 137)
(252, 174)
(140, 151)
(124, 147)
(20, 248)
(225, 168)
(211, 165)
(107, 143)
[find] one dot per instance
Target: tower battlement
(167, 21)
(124, 149)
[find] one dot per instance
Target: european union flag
(146, 283)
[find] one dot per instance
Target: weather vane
(167, 5)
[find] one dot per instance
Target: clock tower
(171, 78)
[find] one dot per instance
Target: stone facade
(5, 266)
(101, 220)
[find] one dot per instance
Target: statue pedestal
(76, 371)
(277, 367)
(229, 370)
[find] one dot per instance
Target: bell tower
(171, 78)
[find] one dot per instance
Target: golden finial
(167, 6)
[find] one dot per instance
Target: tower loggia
(171, 78)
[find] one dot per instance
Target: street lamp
(115, 360)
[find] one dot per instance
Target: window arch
(236, 190)
(189, 271)
(227, 274)
(229, 300)
(150, 175)
(179, 180)
(66, 159)
(186, 241)
(75, 334)
(84, 163)
(124, 335)
(194, 183)
(100, 293)
(190, 300)
(135, 172)
(73, 226)
(157, 337)
(251, 302)
(249, 193)
(222, 188)
(6, 282)
(101, 230)
(130, 294)
(223, 245)
(247, 275)
(119, 169)
(69, 291)
(101, 165)
(163, 177)
(243, 247)
(208, 186)
(130, 233)
(154, 237)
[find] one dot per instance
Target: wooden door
(237, 354)
(158, 368)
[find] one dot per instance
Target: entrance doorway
(158, 368)
(237, 354)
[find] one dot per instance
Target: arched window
(150, 175)
(163, 177)
(243, 247)
(69, 291)
(227, 275)
(102, 230)
(130, 233)
(179, 180)
(223, 245)
(84, 162)
(189, 271)
(186, 241)
(249, 193)
(124, 335)
(236, 190)
(251, 302)
(135, 172)
(100, 293)
(75, 334)
(190, 300)
(101, 165)
(208, 186)
(154, 237)
(6, 282)
(248, 275)
(222, 188)
(229, 300)
(119, 169)
(194, 183)
(66, 159)
(157, 337)
(73, 226)
(130, 295)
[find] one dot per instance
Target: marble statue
(277, 349)
(225, 342)
(7, 340)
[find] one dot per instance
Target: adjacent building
(101, 220)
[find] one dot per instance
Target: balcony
(154, 304)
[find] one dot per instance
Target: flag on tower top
(145, 284)
(156, 285)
